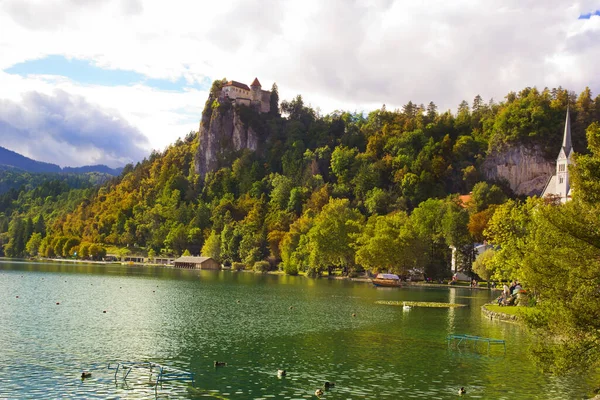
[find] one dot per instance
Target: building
(559, 186)
(196, 263)
(252, 96)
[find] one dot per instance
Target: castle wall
(265, 101)
(235, 92)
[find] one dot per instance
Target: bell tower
(563, 161)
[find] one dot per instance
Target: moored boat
(387, 280)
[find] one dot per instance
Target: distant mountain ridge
(10, 158)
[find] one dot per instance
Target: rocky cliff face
(525, 169)
(222, 133)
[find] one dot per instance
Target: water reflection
(257, 324)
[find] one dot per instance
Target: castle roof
(255, 82)
(238, 85)
(566, 144)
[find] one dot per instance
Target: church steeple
(566, 145)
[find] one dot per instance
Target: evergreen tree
(274, 100)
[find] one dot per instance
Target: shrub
(289, 269)
(238, 266)
(262, 266)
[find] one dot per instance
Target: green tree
(562, 267)
(388, 243)
(508, 230)
(212, 246)
(33, 244)
(331, 236)
(482, 265)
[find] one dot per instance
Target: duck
(85, 374)
(220, 363)
(462, 391)
(281, 372)
(328, 385)
(405, 307)
(319, 392)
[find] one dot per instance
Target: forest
(343, 191)
(353, 192)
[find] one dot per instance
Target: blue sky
(107, 81)
(85, 72)
(590, 14)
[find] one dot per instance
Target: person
(512, 287)
(517, 288)
(505, 290)
(501, 299)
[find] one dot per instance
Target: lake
(257, 324)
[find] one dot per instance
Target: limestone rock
(221, 134)
(525, 169)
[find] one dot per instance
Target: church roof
(566, 144)
(255, 82)
(237, 84)
(550, 188)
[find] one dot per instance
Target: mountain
(11, 159)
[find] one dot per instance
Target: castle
(558, 185)
(252, 96)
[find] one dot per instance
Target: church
(558, 185)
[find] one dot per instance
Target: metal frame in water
(163, 374)
(474, 340)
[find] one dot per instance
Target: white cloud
(338, 54)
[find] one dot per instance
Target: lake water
(257, 324)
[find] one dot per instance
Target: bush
(289, 269)
(238, 266)
(262, 266)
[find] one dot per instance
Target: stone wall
(498, 316)
(525, 169)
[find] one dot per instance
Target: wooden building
(196, 263)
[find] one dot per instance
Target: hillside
(312, 193)
(10, 158)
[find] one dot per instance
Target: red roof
(255, 82)
(237, 84)
(465, 199)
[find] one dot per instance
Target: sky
(106, 81)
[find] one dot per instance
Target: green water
(257, 324)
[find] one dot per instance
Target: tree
(389, 243)
(331, 236)
(40, 226)
(485, 195)
(585, 175)
(508, 229)
(33, 244)
(274, 100)
(562, 267)
(212, 246)
(97, 252)
(482, 265)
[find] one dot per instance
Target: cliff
(222, 133)
(525, 169)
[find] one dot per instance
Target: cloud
(67, 130)
(352, 54)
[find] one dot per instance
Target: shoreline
(332, 277)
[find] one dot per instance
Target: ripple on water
(193, 319)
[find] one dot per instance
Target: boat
(387, 280)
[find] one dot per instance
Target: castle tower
(255, 89)
(563, 161)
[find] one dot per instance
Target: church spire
(566, 145)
